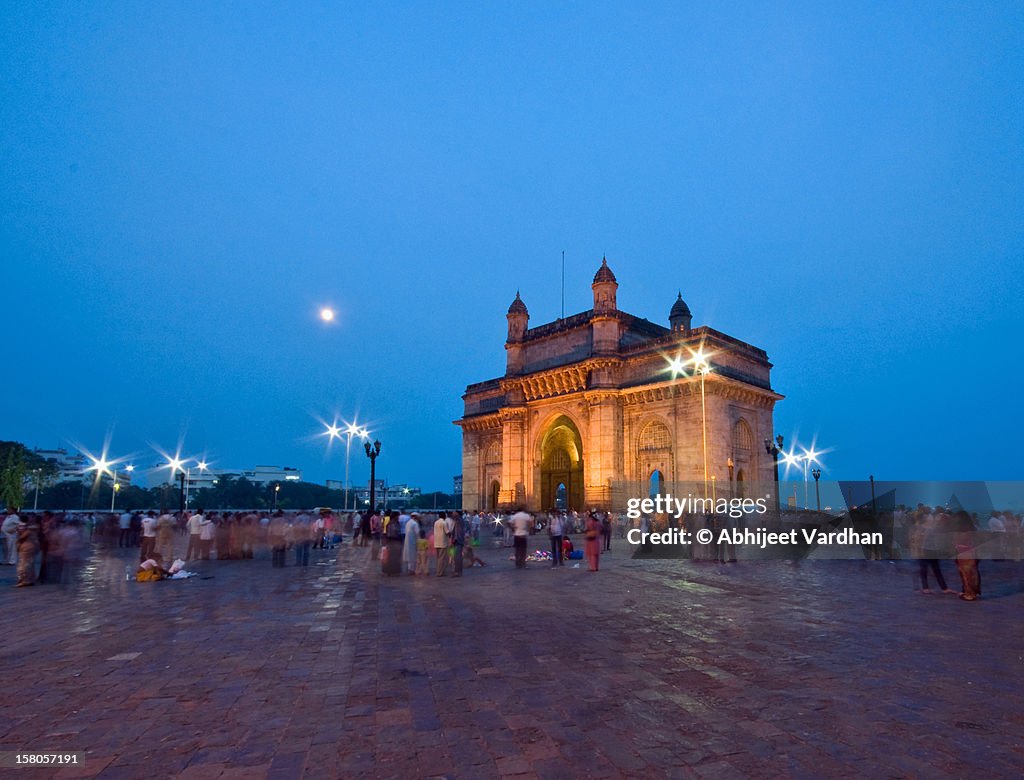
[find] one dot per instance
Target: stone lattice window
(742, 439)
(493, 452)
(655, 437)
(560, 460)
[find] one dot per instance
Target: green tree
(13, 461)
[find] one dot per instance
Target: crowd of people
(49, 546)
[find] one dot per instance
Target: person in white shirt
(10, 530)
(148, 535)
(125, 525)
(194, 525)
(206, 532)
(521, 522)
(441, 545)
(555, 532)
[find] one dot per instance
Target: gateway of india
(602, 406)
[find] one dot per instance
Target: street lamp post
(35, 501)
(807, 461)
(277, 489)
(181, 492)
(702, 368)
(372, 452)
(816, 473)
(773, 448)
(700, 364)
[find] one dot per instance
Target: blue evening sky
(183, 185)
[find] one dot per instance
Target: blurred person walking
(966, 542)
(10, 531)
(28, 546)
(555, 534)
(457, 534)
(276, 538)
(592, 549)
(411, 543)
(520, 523)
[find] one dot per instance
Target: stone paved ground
(645, 669)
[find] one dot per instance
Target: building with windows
(76, 467)
(602, 406)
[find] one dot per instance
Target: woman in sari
(592, 550)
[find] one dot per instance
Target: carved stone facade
(603, 405)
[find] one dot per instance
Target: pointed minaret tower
(605, 322)
(605, 288)
(679, 317)
(518, 318)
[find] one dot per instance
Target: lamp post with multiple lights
(700, 364)
(351, 429)
(816, 473)
(808, 458)
(176, 465)
(703, 367)
(372, 452)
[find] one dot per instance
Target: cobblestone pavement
(644, 669)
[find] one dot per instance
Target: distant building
(75, 467)
(198, 478)
(457, 485)
(391, 496)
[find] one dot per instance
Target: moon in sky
(327, 314)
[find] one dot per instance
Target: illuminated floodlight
(332, 431)
(700, 361)
(202, 465)
(100, 465)
(129, 468)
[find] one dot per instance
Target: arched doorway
(561, 464)
(561, 497)
(740, 493)
(656, 483)
(492, 496)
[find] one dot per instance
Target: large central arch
(561, 463)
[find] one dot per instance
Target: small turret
(605, 288)
(679, 318)
(518, 319)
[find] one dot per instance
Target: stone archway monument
(594, 403)
(561, 463)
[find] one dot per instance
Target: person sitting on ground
(471, 559)
(151, 570)
(567, 547)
